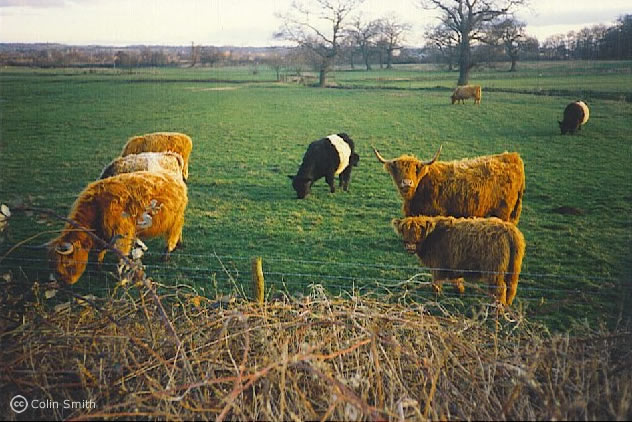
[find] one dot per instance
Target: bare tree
(468, 19)
(445, 41)
(510, 34)
(362, 35)
(392, 34)
(318, 26)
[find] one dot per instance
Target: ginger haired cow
(472, 248)
(162, 142)
(464, 92)
(170, 162)
(120, 209)
(487, 186)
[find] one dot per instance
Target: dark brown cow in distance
(575, 116)
(487, 186)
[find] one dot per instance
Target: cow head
(406, 171)
(354, 159)
(68, 258)
(301, 185)
(413, 230)
(563, 127)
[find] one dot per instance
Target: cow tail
(517, 210)
(107, 172)
(516, 254)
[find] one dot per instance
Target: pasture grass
(59, 128)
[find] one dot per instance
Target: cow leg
(437, 282)
(330, 181)
(458, 284)
(513, 287)
(501, 289)
(173, 238)
(100, 258)
(344, 181)
(437, 286)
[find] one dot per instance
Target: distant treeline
(599, 42)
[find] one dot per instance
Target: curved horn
(37, 247)
(427, 163)
(379, 156)
(65, 248)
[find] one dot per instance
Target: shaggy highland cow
(575, 116)
(171, 162)
(464, 92)
(328, 157)
(120, 208)
(487, 186)
(471, 248)
(162, 142)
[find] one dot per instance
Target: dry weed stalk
(321, 357)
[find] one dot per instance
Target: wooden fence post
(257, 280)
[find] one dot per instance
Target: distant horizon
(243, 23)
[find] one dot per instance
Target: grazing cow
(170, 162)
(487, 186)
(575, 116)
(328, 157)
(464, 92)
(162, 142)
(471, 248)
(120, 208)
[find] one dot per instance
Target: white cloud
(240, 22)
(32, 3)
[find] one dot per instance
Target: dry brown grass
(314, 358)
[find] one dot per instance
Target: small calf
(472, 248)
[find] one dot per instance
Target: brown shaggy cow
(170, 162)
(162, 142)
(141, 204)
(487, 186)
(464, 92)
(575, 116)
(472, 248)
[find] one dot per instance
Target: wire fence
(222, 273)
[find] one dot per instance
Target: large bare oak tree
(318, 26)
(468, 19)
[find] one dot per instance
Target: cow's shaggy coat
(327, 157)
(170, 162)
(471, 248)
(120, 208)
(487, 186)
(464, 92)
(162, 142)
(575, 116)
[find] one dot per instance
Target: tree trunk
(464, 61)
(365, 55)
(514, 59)
(322, 77)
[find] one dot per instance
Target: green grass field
(59, 128)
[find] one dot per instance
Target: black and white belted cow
(327, 157)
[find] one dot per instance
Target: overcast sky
(242, 22)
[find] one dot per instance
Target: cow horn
(379, 156)
(65, 248)
(427, 163)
